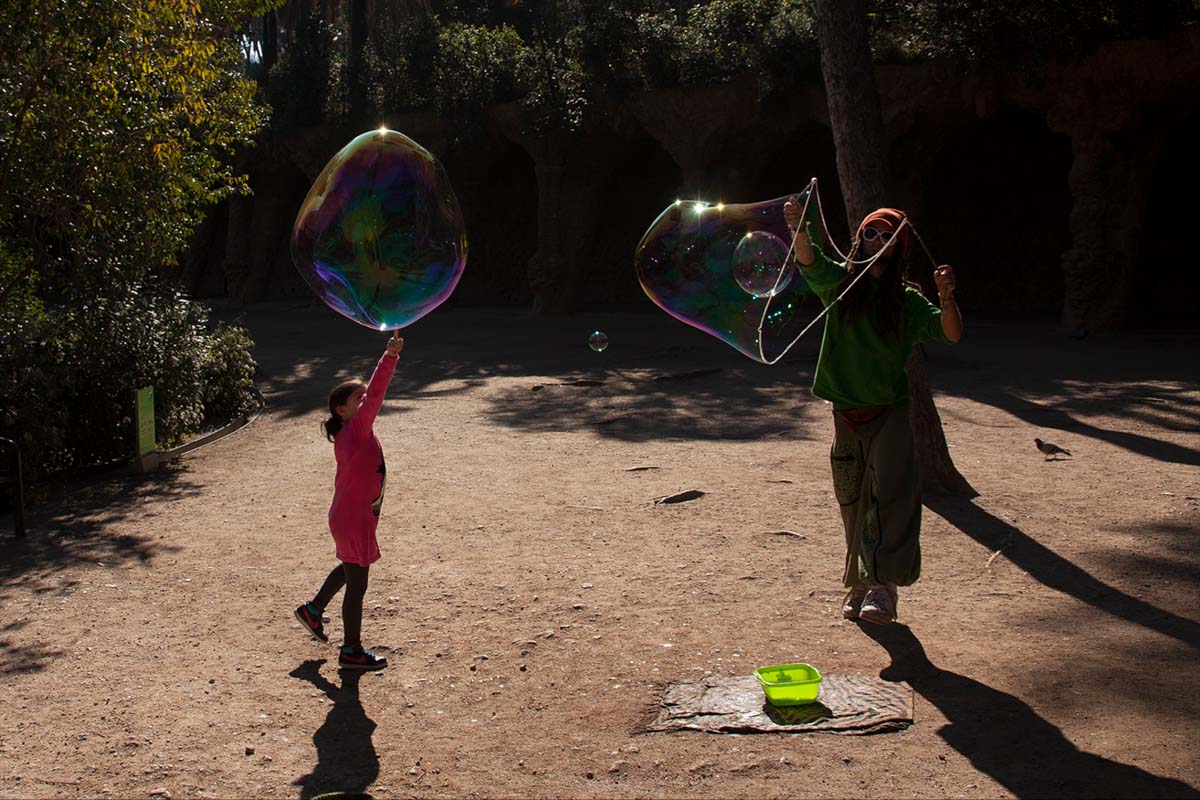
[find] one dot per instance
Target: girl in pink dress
(358, 489)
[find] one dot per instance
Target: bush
(772, 39)
(69, 375)
(227, 376)
(476, 67)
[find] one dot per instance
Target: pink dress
(361, 475)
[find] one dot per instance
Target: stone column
(1110, 183)
(238, 233)
(570, 175)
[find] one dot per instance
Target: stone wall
(1037, 184)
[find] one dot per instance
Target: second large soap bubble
(758, 264)
(725, 270)
(380, 237)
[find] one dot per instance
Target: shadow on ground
(1056, 572)
(1048, 382)
(658, 379)
(1006, 739)
(346, 759)
(76, 528)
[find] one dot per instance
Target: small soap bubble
(598, 341)
(380, 237)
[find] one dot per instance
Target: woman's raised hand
(791, 213)
(943, 276)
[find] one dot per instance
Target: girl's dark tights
(354, 578)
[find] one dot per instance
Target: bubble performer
(358, 489)
(879, 317)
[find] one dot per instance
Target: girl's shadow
(346, 759)
(1005, 738)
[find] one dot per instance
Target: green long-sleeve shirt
(858, 367)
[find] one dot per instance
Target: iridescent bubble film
(380, 237)
(714, 266)
(598, 341)
(757, 262)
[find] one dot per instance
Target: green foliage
(554, 56)
(298, 84)
(1015, 31)
(116, 123)
(558, 56)
(402, 58)
(772, 39)
(16, 273)
(227, 375)
(476, 66)
(69, 374)
(551, 74)
(119, 121)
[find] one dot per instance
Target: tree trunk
(270, 44)
(1110, 189)
(938, 473)
(854, 110)
(238, 237)
(856, 117)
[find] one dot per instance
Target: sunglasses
(871, 234)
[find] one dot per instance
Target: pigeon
(1050, 450)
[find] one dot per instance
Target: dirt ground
(533, 601)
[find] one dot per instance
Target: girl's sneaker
(311, 622)
(358, 658)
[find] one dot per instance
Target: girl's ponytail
(340, 394)
(331, 426)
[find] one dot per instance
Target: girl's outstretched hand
(395, 344)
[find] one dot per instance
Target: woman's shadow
(1008, 740)
(346, 759)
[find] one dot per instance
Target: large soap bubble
(380, 237)
(720, 268)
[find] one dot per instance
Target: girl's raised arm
(377, 386)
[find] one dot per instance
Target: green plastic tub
(789, 684)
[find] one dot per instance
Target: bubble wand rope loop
(787, 259)
(924, 247)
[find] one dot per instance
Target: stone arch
(997, 206)
(1168, 281)
(496, 185)
(637, 186)
(794, 159)
(273, 221)
(257, 249)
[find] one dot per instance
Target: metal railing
(13, 478)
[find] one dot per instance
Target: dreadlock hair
(340, 394)
(891, 291)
